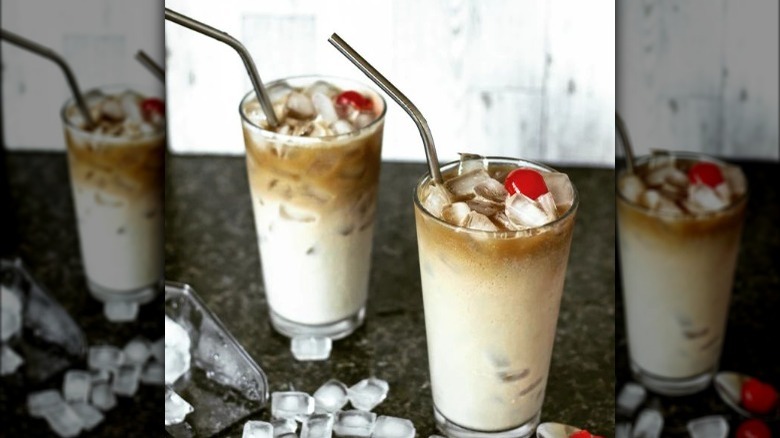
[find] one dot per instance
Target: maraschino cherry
(526, 181)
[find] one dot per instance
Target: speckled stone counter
(210, 244)
(753, 329)
(40, 228)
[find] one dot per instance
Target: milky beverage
(116, 174)
(679, 223)
(492, 268)
(314, 186)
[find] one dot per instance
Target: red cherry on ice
(706, 173)
(153, 105)
(527, 181)
(758, 397)
(753, 428)
(354, 99)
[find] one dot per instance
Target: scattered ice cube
(561, 188)
(434, 198)
(63, 420)
(11, 316)
(9, 360)
(89, 415)
(723, 190)
(623, 430)
(76, 385)
(311, 347)
(341, 127)
(137, 351)
(547, 203)
(631, 396)
(712, 426)
(102, 397)
(631, 187)
(323, 87)
(258, 429)
(111, 109)
(291, 404)
(331, 396)
(284, 426)
(153, 373)
(126, 380)
(658, 176)
(105, 357)
(41, 401)
(158, 350)
(492, 190)
(523, 212)
(735, 178)
(131, 105)
(354, 423)
(393, 427)
(705, 197)
(176, 408)
(462, 186)
(478, 221)
(649, 424)
(471, 162)
(364, 119)
(318, 426)
(456, 213)
(485, 206)
(324, 107)
(121, 311)
(177, 351)
(368, 393)
(650, 199)
(300, 106)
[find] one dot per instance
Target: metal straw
(262, 95)
(150, 65)
(46, 52)
(406, 104)
(629, 150)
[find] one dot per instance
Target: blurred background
(533, 79)
(699, 75)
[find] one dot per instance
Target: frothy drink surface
(492, 276)
(679, 224)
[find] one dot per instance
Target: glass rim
(500, 233)
(114, 89)
(250, 95)
(698, 156)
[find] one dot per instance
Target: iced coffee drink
(313, 181)
(679, 222)
(116, 173)
(494, 244)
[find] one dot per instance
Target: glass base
(672, 386)
(141, 295)
(452, 430)
(334, 330)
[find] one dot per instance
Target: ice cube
(631, 187)
(705, 197)
(462, 186)
(158, 349)
(331, 396)
(102, 397)
(561, 188)
(354, 423)
(523, 212)
(153, 373)
(341, 127)
(649, 424)
(126, 380)
(111, 109)
(456, 213)
(650, 199)
(547, 203)
(276, 93)
(393, 427)
(100, 376)
(258, 429)
(11, 316)
(658, 176)
(131, 105)
(76, 386)
(735, 178)
(471, 162)
(478, 221)
(665, 205)
(434, 198)
(502, 219)
(311, 347)
(176, 408)
(325, 109)
(677, 177)
(300, 106)
(322, 87)
(712, 426)
(291, 404)
(623, 430)
(485, 206)
(89, 415)
(137, 351)
(41, 401)
(105, 357)
(121, 311)
(177, 351)
(492, 190)
(723, 191)
(63, 420)
(318, 426)
(9, 360)
(368, 393)
(284, 426)
(630, 397)
(364, 119)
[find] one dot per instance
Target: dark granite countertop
(39, 227)
(752, 332)
(210, 244)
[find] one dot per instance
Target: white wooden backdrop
(700, 75)
(98, 38)
(521, 78)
